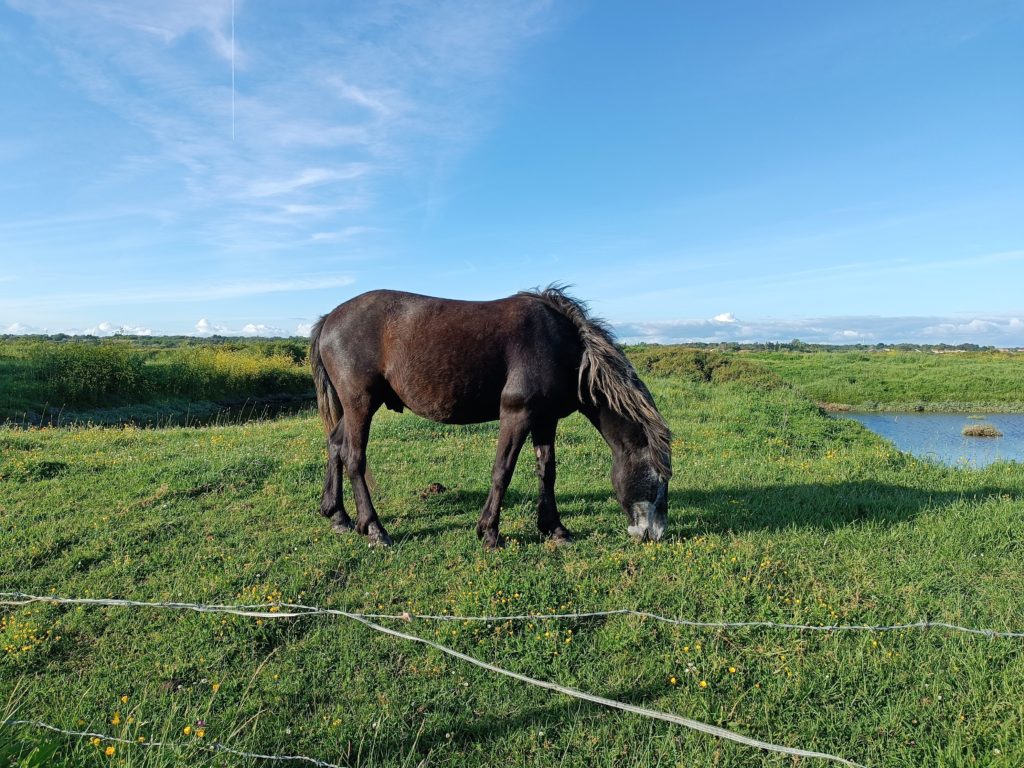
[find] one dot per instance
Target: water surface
(937, 436)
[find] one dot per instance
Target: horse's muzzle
(648, 522)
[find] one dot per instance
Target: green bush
(83, 374)
(701, 365)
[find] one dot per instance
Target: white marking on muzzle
(643, 518)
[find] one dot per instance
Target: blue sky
(697, 171)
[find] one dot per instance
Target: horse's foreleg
(357, 432)
(547, 511)
(331, 504)
(515, 426)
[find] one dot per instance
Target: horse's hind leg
(331, 504)
(548, 520)
(515, 426)
(357, 431)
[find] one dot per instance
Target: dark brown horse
(528, 361)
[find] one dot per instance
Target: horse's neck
(620, 433)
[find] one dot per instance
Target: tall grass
(205, 373)
(38, 375)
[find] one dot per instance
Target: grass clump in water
(980, 430)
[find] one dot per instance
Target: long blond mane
(607, 375)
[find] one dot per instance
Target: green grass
(777, 513)
(898, 381)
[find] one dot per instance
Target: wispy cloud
(395, 89)
(309, 177)
(189, 293)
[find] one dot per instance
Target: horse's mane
(606, 372)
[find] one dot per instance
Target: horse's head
(643, 494)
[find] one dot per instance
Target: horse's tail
(327, 401)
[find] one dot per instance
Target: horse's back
(450, 360)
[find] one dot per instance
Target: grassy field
(149, 380)
(777, 513)
(903, 381)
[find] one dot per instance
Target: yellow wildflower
(116, 719)
(187, 730)
(109, 751)
(703, 683)
(124, 698)
(216, 687)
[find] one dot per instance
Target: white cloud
(970, 328)
(103, 329)
(205, 328)
(985, 331)
(308, 177)
(382, 103)
(849, 335)
(259, 329)
(725, 317)
(21, 329)
(303, 329)
(107, 328)
(333, 237)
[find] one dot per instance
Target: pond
(937, 436)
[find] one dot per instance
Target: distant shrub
(85, 374)
(702, 365)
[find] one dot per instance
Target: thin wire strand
(298, 610)
(215, 746)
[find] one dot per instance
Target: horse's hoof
(341, 523)
(378, 536)
(560, 537)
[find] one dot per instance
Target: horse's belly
(450, 404)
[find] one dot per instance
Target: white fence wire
(213, 747)
(296, 611)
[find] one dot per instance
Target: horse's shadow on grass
(453, 510)
(693, 512)
(821, 506)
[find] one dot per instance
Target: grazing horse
(527, 360)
